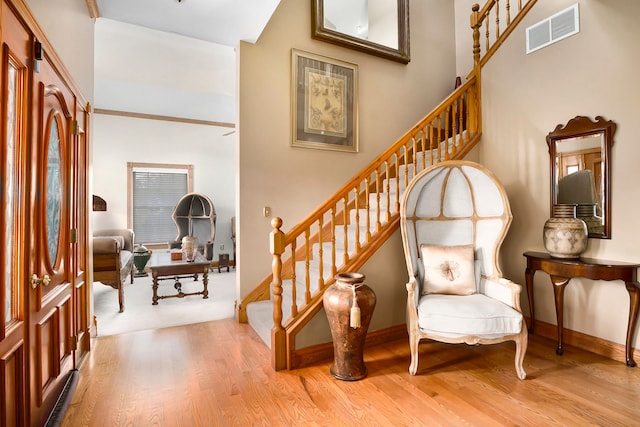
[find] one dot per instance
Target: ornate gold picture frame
(324, 103)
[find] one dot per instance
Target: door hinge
(73, 343)
(73, 236)
(76, 128)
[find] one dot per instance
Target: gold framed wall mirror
(580, 157)
(378, 27)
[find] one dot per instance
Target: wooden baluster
(334, 268)
(294, 276)
(432, 151)
(356, 191)
(450, 135)
(388, 189)
(294, 287)
(367, 206)
(378, 190)
(307, 266)
(424, 148)
(320, 255)
(464, 120)
(508, 13)
(405, 176)
(434, 144)
(414, 157)
(448, 113)
(497, 20)
(278, 343)
(486, 37)
(345, 227)
(454, 122)
(397, 170)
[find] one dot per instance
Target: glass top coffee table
(164, 268)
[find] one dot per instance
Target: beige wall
(524, 98)
(69, 28)
(293, 181)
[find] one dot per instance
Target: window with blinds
(154, 192)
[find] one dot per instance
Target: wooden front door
(44, 297)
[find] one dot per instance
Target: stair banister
(404, 152)
(493, 41)
(457, 119)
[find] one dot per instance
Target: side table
(562, 270)
(223, 261)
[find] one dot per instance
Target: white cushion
(474, 314)
(448, 269)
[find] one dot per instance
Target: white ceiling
(224, 22)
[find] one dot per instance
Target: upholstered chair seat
(460, 315)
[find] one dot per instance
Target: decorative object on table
(349, 305)
(190, 247)
(324, 102)
(565, 235)
(141, 256)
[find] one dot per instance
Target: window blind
(155, 195)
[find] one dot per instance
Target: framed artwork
(324, 103)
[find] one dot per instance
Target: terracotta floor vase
(348, 341)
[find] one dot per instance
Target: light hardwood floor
(218, 374)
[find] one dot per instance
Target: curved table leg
(559, 284)
(528, 277)
(634, 302)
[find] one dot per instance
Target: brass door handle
(35, 281)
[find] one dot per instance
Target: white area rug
(139, 314)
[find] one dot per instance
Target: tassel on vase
(354, 318)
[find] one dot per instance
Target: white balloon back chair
(454, 217)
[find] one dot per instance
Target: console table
(562, 270)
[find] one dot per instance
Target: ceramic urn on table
(564, 235)
(141, 256)
(190, 247)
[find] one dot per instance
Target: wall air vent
(555, 28)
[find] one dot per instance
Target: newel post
(474, 124)
(278, 343)
(475, 25)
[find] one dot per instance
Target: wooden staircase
(343, 233)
